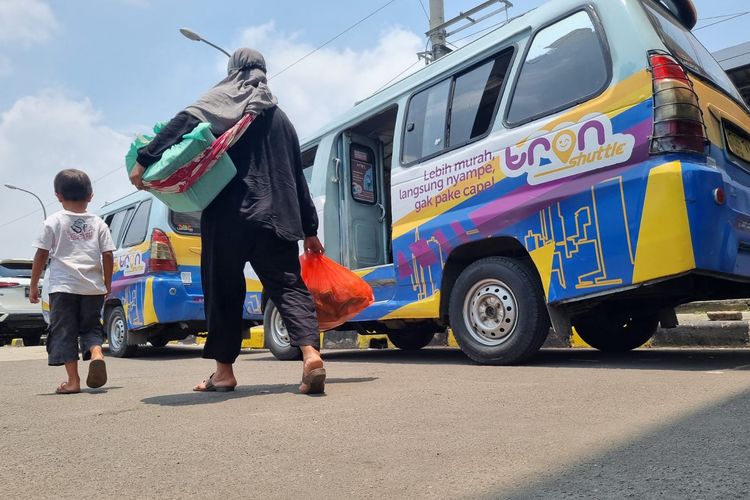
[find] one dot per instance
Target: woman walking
(258, 218)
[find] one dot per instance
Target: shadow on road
(180, 352)
(429, 356)
(703, 455)
(84, 390)
(643, 359)
(203, 398)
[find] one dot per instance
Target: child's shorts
(73, 318)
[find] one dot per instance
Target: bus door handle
(336, 170)
(382, 212)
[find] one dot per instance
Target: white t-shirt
(75, 243)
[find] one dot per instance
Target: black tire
(159, 341)
(32, 339)
(116, 329)
(275, 337)
(616, 333)
(414, 339)
(498, 311)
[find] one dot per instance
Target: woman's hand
(136, 176)
(313, 245)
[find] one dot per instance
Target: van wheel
(616, 333)
(276, 337)
(32, 339)
(116, 327)
(498, 312)
(159, 341)
(412, 339)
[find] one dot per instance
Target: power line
(735, 16)
(719, 17)
(396, 77)
(481, 31)
(368, 16)
(49, 204)
(424, 10)
(735, 56)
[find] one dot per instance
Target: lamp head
(9, 186)
(192, 35)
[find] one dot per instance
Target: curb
(694, 330)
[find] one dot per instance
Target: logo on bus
(572, 150)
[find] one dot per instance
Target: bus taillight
(678, 119)
(162, 255)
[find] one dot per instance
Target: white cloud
(28, 21)
(39, 136)
(25, 22)
(331, 80)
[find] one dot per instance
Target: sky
(79, 78)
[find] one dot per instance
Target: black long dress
(258, 218)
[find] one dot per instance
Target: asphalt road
(574, 424)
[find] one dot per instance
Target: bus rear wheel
(116, 328)
(617, 333)
(498, 312)
(276, 337)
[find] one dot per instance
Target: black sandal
(315, 381)
(211, 387)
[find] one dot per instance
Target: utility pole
(438, 33)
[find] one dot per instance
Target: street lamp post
(192, 35)
(44, 209)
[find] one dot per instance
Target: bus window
(136, 233)
(308, 160)
(475, 97)
(188, 223)
(425, 123)
(116, 223)
(566, 65)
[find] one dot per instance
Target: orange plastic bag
(339, 293)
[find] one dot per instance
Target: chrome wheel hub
(117, 333)
(491, 312)
(278, 329)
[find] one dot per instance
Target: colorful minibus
(156, 288)
(587, 164)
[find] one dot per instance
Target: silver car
(18, 317)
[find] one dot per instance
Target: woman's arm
(167, 137)
(308, 212)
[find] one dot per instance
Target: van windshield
(684, 46)
(186, 222)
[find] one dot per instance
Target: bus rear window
(685, 47)
(566, 64)
(186, 222)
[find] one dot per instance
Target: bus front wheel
(613, 333)
(497, 311)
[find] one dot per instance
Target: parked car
(18, 317)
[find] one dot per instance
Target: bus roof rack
(683, 10)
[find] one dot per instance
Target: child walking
(79, 248)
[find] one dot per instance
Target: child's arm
(108, 262)
(40, 260)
